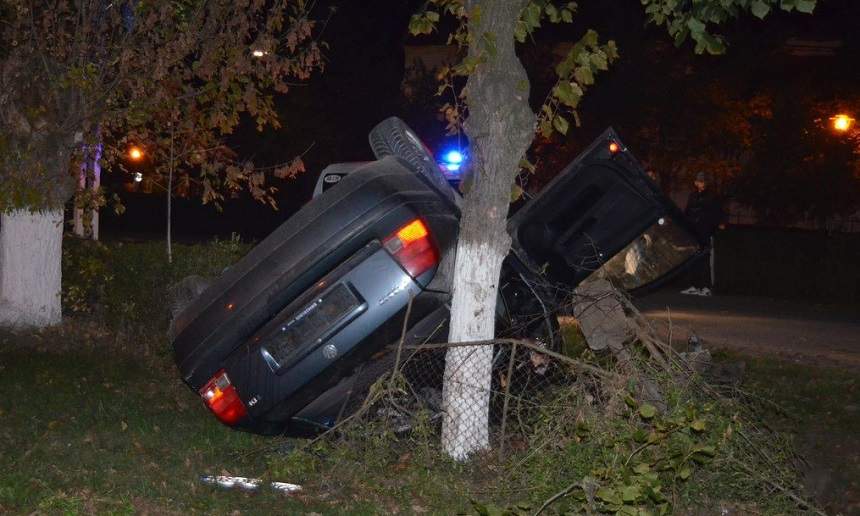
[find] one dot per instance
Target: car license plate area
(312, 325)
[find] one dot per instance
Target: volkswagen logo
(329, 351)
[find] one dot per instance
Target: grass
(89, 431)
(96, 420)
(820, 406)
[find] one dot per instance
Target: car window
(657, 251)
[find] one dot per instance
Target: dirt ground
(758, 326)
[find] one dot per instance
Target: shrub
(125, 285)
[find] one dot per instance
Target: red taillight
(614, 147)
(222, 399)
(412, 248)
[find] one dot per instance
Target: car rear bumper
(295, 357)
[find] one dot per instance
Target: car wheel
(392, 137)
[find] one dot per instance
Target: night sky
(361, 85)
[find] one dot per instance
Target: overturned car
(294, 332)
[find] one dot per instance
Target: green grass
(88, 429)
(820, 406)
(93, 432)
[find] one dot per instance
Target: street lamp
(135, 153)
(842, 123)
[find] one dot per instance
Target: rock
(601, 316)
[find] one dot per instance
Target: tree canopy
(75, 73)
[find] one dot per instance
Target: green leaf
(598, 59)
(568, 93)
(566, 16)
(695, 26)
(759, 9)
(516, 192)
(640, 435)
(611, 50)
(420, 24)
(698, 425)
(552, 12)
(647, 411)
(527, 165)
(706, 450)
(805, 6)
(685, 473)
(609, 495)
(561, 124)
(433, 16)
(642, 468)
(584, 75)
(545, 128)
(590, 38)
(531, 16)
(630, 493)
(520, 32)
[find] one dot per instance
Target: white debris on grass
(247, 484)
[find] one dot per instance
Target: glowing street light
(258, 53)
(138, 177)
(842, 123)
(135, 153)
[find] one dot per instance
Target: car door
(603, 212)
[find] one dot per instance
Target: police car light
(452, 160)
(453, 157)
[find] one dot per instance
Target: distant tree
(78, 74)
(801, 169)
(500, 125)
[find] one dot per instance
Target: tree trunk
(171, 165)
(500, 128)
(30, 257)
(89, 177)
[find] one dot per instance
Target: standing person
(705, 211)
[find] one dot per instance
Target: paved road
(754, 325)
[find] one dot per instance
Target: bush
(126, 285)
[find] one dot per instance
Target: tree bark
(30, 272)
(171, 166)
(89, 177)
(500, 128)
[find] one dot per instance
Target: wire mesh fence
(482, 395)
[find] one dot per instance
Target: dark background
(329, 118)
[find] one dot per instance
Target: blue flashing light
(452, 167)
(453, 157)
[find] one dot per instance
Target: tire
(392, 137)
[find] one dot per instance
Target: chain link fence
(499, 387)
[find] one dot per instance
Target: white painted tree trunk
(467, 380)
(30, 273)
(500, 128)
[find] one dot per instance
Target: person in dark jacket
(705, 211)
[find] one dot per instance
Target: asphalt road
(790, 330)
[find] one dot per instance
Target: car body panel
(217, 328)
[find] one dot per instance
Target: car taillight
(411, 247)
(222, 399)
